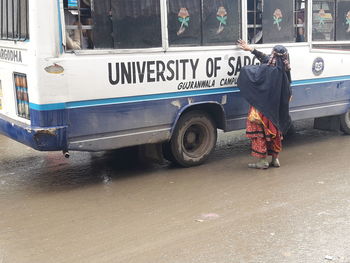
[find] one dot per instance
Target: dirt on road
(106, 207)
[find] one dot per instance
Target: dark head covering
(280, 55)
(266, 87)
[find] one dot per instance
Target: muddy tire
(194, 139)
(167, 154)
(345, 122)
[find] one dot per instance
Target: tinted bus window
(184, 22)
(102, 25)
(136, 23)
(221, 22)
(203, 22)
(323, 20)
(278, 25)
(343, 20)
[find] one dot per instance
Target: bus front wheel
(345, 122)
(194, 139)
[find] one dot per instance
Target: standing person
(266, 87)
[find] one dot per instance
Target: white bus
(93, 75)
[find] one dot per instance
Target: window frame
(163, 46)
(202, 43)
(334, 40)
(307, 28)
(316, 46)
(306, 21)
(239, 3)
(246, 11)
(73, 27)
(334, 23)
(165, 38)
(244, 29)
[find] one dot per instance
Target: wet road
(106, 207)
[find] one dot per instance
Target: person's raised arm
(243, 45)
(262, 57)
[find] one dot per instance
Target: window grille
(14, 20)
(21, 89)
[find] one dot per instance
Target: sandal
(259, 165)
(275, 163)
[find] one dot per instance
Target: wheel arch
(214, 109)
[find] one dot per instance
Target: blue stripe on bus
(78, 104)
(149, 97)
(320, 80)
(89, 103)
(54, 106)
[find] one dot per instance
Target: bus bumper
(39, 138)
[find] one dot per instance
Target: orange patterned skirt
(266, 138)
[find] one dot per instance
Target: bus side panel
(321, 99)
(236, 110)
(48, 118)
(119, 125)
(125, 124)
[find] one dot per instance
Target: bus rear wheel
(345, 122)
(194, 139)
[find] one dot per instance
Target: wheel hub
(191, 137)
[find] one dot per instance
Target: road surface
(107, 207)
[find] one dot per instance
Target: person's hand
(243, 45)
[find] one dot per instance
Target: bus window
(255, 21)
(136, 23)
(10, 21)
(78, 22)
(221, 22)
(14, 20)
(323, 20)
(300, 16)
(184, 22)
(343, 20)
(276, 21)
(203, 22)
(102, 29)
(122, 24)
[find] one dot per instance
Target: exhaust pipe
(66, 154)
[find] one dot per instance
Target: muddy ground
(107, 207)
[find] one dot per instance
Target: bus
(95, 75)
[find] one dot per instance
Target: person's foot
(261, 164)
(275, 163)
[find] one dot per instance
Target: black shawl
(266, 87)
